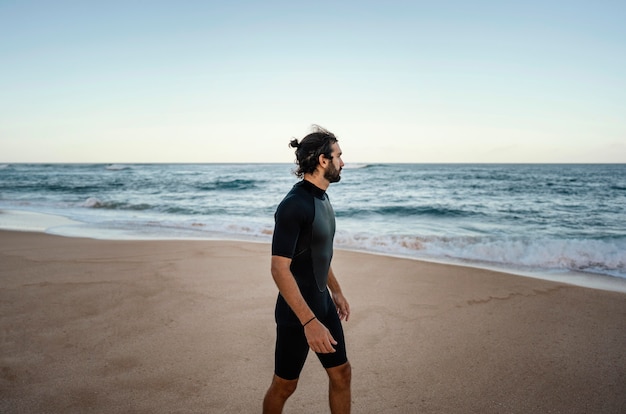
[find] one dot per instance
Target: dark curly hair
(308, 150)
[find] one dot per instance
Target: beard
(332, 174)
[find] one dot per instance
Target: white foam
(92, 202)
(18, 220)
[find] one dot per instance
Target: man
(307, 316)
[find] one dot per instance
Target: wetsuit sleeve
(289, 218)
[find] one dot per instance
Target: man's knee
(284, 388)
(340, 376)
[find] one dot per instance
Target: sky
(396, 81)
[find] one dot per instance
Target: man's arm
(343, 308)
(318, 337)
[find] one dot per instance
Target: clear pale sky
(234, 81)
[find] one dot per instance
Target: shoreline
(28, 221)
(187, 326)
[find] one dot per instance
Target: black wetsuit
(304, 232)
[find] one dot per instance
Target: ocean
(564, 222)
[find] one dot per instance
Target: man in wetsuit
(310, 304)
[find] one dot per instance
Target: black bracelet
(310, 320)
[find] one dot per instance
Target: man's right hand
(319, 338)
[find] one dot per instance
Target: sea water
(536, 218)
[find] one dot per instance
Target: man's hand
(319, 338)
(343, 308)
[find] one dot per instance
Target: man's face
(333, 170)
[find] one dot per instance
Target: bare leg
(278, 393)
(339, 393)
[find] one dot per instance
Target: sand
(187, 327)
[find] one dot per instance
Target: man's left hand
(343, 308)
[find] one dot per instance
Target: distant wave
(405, 211)
(62, 188)
(93, 202)
(355, 166)
(116, 167)
(3, 166)
(73, 188)
(228, 184)
(96, 203)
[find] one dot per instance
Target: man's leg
(278, 393)
(290, 355)
(339, 393)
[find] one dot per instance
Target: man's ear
(323, 161)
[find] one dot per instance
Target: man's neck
(317, 180)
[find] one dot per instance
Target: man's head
(319, 148)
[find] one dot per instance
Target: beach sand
(187, 327)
